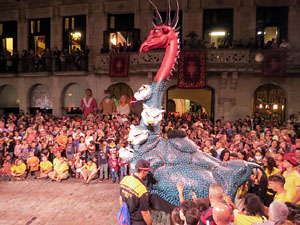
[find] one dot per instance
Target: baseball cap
(290, 158)
(143, 165)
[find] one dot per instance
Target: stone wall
(233, 91)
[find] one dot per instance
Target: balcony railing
(49, 64)
(217, 60)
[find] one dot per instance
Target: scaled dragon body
(178, 159)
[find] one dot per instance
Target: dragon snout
(144, 48)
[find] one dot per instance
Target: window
(74, 32)
(218, 27)
(121, 34)
(8, 36)
(39, 37)
(66, 23)
(271, 28)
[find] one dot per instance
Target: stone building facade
(232, 75)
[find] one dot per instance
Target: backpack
(124, 216)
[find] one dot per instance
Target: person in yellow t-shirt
(56, 159)
(270, 169)
(276, 182)
(88, 171)
(32, 163)
(18, 171)
(255, 211)
(45, 168)
(61, 170)
(292, 177)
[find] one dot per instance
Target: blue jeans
(104, 171)
(115, 175)
(123, 172)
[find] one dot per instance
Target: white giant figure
(143, 93)
(151, 116)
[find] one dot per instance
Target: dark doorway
(171, 106)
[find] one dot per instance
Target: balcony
(240, 60)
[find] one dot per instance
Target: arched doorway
(118, 89)
(71, 98)
(193, 100)
(270, 101)
(9, 101)
(40, 99)
(171, 106)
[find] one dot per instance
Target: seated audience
(45, 168)
(32, 163)
(89, 171)
(61, 170)
(18, 170)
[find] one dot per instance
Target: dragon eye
(157, 30)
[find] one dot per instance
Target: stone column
(227, 95)
(23, 94)
(55, 93)
(56, 40)
(244, 21)
(22, 31)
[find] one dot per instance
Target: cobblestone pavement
(71, 202)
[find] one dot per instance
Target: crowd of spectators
(194, 43)
(47, 147)
(122, 47)
(45, 61)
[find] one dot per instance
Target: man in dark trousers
(135, 194)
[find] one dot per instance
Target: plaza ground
(71, 202)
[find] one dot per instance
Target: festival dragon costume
(177, 159)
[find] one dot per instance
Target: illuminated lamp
(218, 33)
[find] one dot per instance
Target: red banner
(192, 69)
(119, 64)
(274, 63)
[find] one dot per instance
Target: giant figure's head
(137, 135)
(151, 116)
(143, 93)
(162, 33)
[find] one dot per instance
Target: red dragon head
(162, 33)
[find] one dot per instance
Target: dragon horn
(157, 12)
(168, 16)
(176, 18)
